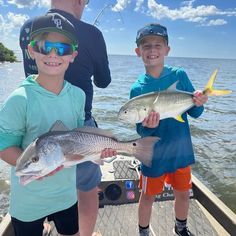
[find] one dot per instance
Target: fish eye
(35, 159)
(134, 144)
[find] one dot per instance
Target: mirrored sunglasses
(45, 47)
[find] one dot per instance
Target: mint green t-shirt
(29, 112)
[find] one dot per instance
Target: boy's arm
(12, 129)
(10, 155)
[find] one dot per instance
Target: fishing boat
(118, 205)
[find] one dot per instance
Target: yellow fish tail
(210, 91)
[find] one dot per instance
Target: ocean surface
(213, 134)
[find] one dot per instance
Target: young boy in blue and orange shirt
(173, 154)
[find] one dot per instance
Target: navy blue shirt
(91, 61)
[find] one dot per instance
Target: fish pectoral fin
(179, 118)
(156, 99)
(74, 157)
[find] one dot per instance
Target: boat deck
(122, 220)
(118, 211)
(119, 219)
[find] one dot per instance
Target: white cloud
(187, 11)
(16, 19)
(1, 2)
(11, 22)
(1, 21)
(188, 3)
(121, 5)
(216, 22)
(139, 4)
(30, 3)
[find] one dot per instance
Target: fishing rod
(96, 20)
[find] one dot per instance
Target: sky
(196, 28)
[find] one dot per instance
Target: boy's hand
(199, 98)
(108, 152)
(152, 120)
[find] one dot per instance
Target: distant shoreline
(19, 54)
(210, 58)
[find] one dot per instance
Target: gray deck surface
(121, 220)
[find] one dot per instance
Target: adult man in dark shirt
(91, 61)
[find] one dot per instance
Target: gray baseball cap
(151, 29)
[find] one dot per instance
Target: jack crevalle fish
(169, 103)
(57, 148)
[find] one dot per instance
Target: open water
(213, 134)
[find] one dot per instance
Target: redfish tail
(144, 149)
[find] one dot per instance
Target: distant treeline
(6, 54)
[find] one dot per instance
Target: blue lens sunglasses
(45, 47)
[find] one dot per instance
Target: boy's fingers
(108, 152)
(152, 120)
(199, 100)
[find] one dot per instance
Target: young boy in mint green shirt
(29, 112)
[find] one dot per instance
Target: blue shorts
(88, 174)
(66, 222)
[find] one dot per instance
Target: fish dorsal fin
(58, 126)
(173, 86)
(97, 131)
